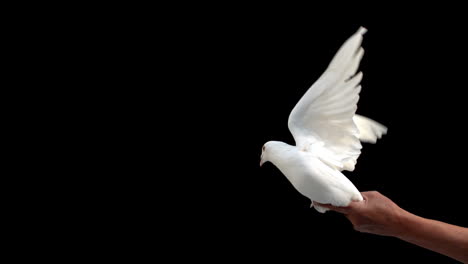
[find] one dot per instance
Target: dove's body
(327, 131)
(311, 177)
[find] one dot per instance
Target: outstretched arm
(379, 215)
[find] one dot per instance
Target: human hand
(376, 214)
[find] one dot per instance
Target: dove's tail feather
(369, 130)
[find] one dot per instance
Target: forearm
(443, 238)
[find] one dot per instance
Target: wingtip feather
(362, 30)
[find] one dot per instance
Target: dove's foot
(319, 208)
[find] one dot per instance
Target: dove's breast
(302, 170)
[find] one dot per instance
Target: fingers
(343, 210)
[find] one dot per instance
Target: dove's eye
(263, 148)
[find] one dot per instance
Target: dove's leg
(319, 208)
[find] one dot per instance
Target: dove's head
(270, 151)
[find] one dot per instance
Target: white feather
(328, 132)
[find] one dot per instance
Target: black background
(193, 96)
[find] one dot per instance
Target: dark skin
(379, 215)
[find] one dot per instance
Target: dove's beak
(261, 160)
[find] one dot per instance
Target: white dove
(327, 132)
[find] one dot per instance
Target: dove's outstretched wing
(323, 119)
